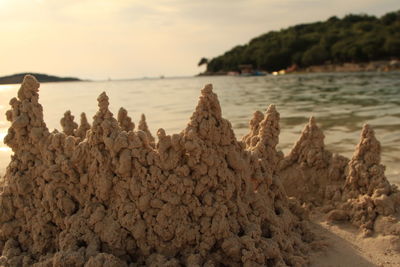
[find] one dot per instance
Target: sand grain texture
(116, 197)
(108, 194)
(353, 190)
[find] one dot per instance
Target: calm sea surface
(341, 103)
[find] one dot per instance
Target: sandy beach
(114, 193)
(200, 133)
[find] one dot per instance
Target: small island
(43, 78)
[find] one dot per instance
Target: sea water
(341, 103)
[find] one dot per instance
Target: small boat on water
(254, 73)
(260, 73)
(247, 70)
(247, 74)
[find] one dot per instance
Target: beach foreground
(109, 195)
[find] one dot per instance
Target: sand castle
(353, 190)
(117, 197)
(311, 173)
(109, 195)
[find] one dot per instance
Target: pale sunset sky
(98, 39)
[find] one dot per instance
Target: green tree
(390, 18)
(315, 55)
(392, 46)
(202, 61)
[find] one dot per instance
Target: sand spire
(368, 197)
(311, 173)
(309, 149)
(68, 124)
(26, 117)
(254, 126)
(125, 122)
(268, 138)
(84, 126)
(366, 174)
(143, 127)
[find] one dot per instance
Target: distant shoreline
(372, 66)
(43, 78)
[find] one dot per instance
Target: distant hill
(354, 38)
(43, 78)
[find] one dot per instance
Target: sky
(121, 39)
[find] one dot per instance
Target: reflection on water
(341, 102)
(7, 87)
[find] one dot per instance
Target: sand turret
(254, 126)
(309, 149)
(265, 142)
(144, 128)
(369, 200)
(26, 117)
(311, 173)
(125, 122)
(365, 173)
(84, 126)
(67, 123)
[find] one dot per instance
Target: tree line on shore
(43, 78)
(354, 38)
